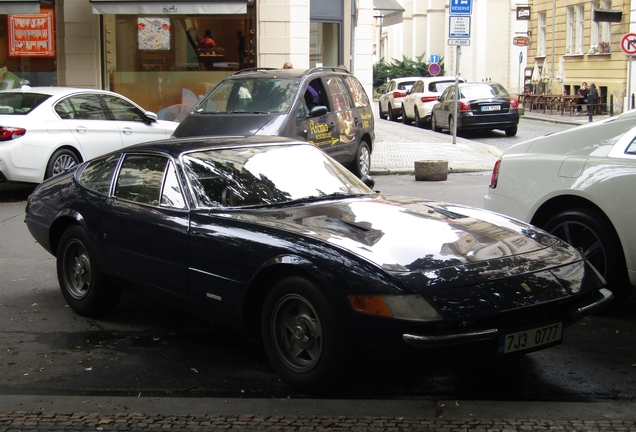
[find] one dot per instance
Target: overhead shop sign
(154, 7)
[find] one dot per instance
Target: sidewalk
(397, 146)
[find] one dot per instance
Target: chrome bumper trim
(451, 338)
(607, 296)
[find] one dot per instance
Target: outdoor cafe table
(544, 101)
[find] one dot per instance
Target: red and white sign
(434, 69)
(32, 35)
(628, 44)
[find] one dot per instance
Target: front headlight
(407, 307)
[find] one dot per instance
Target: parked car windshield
(478, 91)
(20, 103)
(250, 95)
(267, 175)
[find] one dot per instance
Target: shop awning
(154, 7)
(390, 10)
(387, 6)
(21, 7)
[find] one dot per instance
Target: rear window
(20, 103)
(483, 91)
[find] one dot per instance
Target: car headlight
(407, 307)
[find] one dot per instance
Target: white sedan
(45, 130)
(577, 184)
(419, 101)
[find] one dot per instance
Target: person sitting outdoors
(582, 99)
(206, 43)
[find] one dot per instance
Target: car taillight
(398, 95)
(464, 105)
(495, 174)
(428, 99)
(514, 103)
(9, 133)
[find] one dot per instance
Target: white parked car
(44, 130)
(577, 184)
(391, 101)
(418, 103)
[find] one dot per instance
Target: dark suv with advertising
(327, 107)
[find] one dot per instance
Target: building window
(324, 43)
(605, 31)
(541, 48)
(578, 38)
(595, 28)
(569, 31)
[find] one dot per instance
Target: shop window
(29, 56)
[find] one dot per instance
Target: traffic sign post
(461, 7)
(434, 69)
(458, 35)
(628, 45)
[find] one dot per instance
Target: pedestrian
(288, 65)
(582, 99)
(592, 95)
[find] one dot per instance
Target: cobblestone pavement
(26, 421)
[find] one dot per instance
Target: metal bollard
(590, 110)
(611, 110)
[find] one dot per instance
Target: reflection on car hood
(228, 124)
(405, 235)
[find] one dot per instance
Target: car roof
(177, 146)
(54, 91)
(402, 79)
(289, 73)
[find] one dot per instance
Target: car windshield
(250, 95)
(479, 91)
(267, 175)
(20, 103)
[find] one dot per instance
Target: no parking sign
(434, 69)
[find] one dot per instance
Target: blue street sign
(461, 7)
(434, 58)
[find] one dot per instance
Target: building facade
(152, 51)
(528, 46)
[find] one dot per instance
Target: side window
(339, 94)
(87, 107)
(98, 174)
(314, 96)
(122, 109)
(65, 110)
(360, 98)
(631, 148)
(171, 195)
(140, 178)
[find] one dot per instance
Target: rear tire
(434, 124)
(361, 166)
(511, 131)
(303, 338)
(380, 113)
(61, 160)
(591, 232)
(84, 287)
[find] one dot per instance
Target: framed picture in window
(153, 34)
(32, 35)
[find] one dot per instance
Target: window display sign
(32, 35)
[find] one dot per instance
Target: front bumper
(491, 334)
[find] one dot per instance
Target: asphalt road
(145, 349)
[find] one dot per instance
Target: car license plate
(528, 339)
(491, 108)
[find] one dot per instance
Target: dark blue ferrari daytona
(273, 237)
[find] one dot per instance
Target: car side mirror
(318, 111)
(368, 180)
(151, 116)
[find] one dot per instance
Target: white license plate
(528, 339)
(491, 108)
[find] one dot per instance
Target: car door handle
(127, 130)
(81, 129)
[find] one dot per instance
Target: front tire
(85, 289)
(405, 119)
(361, 166)
(591, 232)
(61, 160)
(302, 336)
(392, 115)
(380, 113)
(418, 120)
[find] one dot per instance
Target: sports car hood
(407, 235)
(229, 124)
